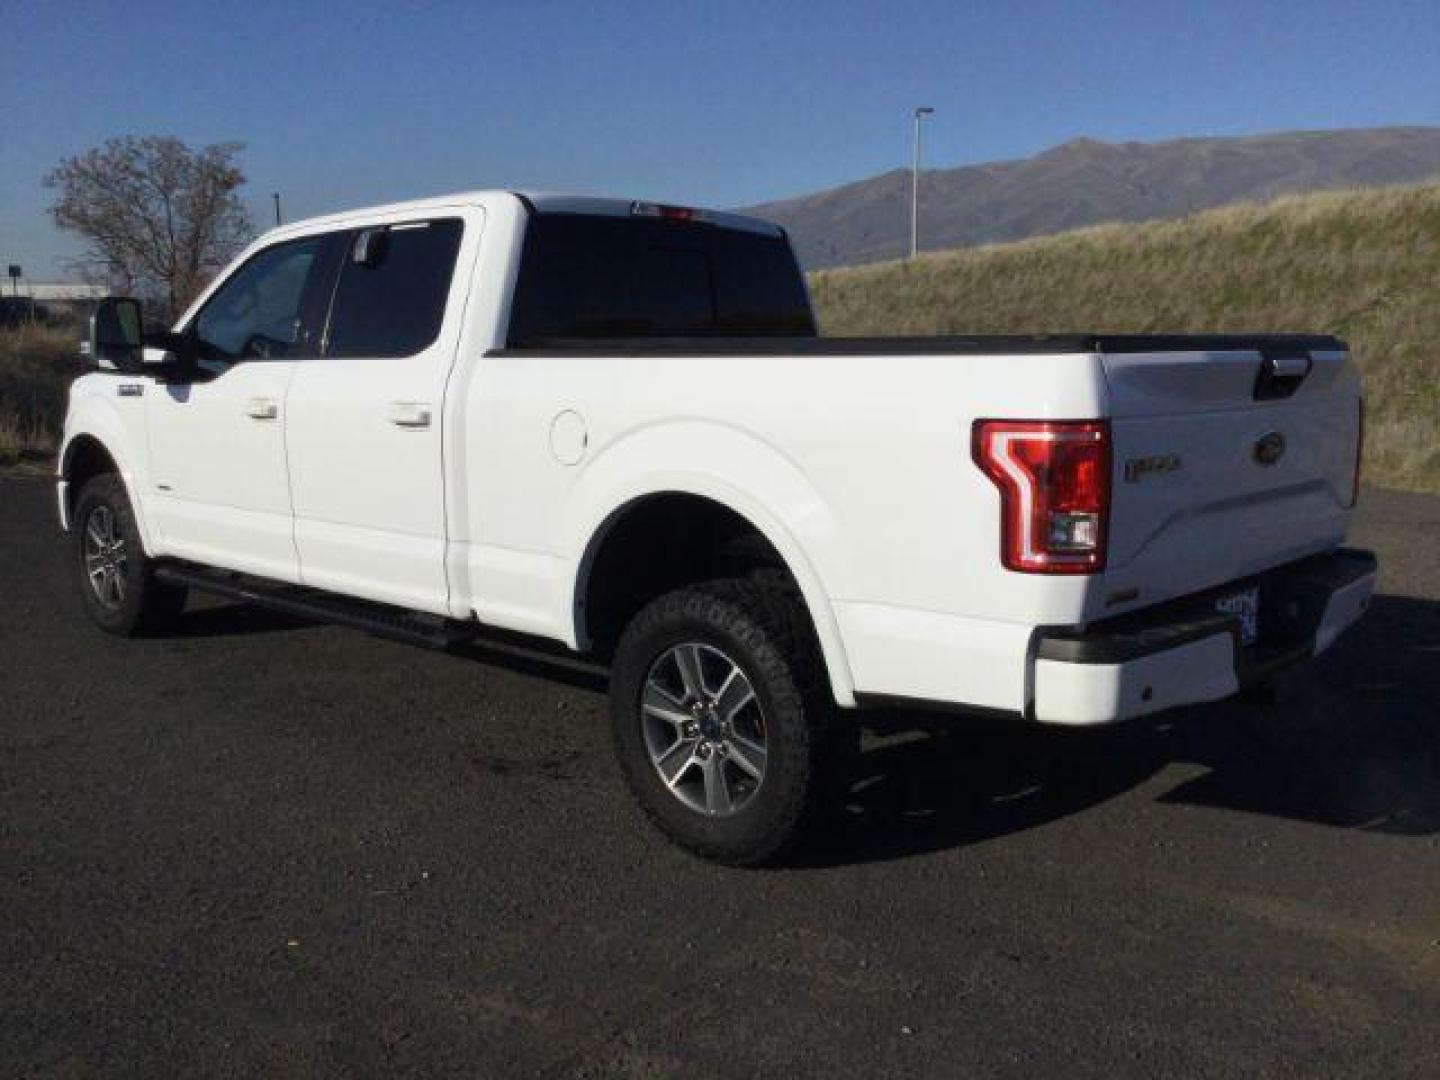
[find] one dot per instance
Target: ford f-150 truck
(611, 426)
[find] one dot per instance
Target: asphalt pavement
(264, 847)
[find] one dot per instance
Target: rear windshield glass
(588, 276)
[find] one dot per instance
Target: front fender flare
(90, 419)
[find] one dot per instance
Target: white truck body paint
(1081, 694)
(434, 482)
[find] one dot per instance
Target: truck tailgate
(1227, 462)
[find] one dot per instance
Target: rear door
(1227, 461)
(363, 422)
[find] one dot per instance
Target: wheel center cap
(710, 724)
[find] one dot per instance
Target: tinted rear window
(393, 304)
(585, 276)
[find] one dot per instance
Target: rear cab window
(393, 283)
(591, 276)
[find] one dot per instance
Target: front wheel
(721, 719)
(117, 580)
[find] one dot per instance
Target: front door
(363, 425)
(221, 492)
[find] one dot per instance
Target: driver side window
(256, 314)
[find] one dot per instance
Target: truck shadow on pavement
(218, 619)
(1353, 742)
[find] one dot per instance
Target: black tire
(126, 599)
(765, 632)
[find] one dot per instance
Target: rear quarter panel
(858, 468)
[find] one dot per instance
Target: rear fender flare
(734, 470)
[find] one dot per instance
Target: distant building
(63, 292)
(21, 299)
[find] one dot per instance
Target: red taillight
(668, 213)
(1054, 481)
(1359, 454)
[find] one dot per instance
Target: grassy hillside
(1364, 265)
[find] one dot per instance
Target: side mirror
(117, 334)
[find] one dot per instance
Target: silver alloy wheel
(105, 557)
(704, 729)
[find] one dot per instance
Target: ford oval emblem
(1269, 448)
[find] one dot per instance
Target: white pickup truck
(611, 426)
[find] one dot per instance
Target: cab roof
(542, 202)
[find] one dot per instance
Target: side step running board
(311, 604)
(413, 628)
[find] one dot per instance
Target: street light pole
(922, 111)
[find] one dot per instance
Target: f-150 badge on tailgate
(1136, 469)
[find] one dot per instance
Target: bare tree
(158, 218)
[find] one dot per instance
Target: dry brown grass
(1364, 265)
(37, 364)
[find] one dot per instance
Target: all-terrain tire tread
(155, 606)
(775, 627)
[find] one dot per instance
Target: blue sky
(719, 104)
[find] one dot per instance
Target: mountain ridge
(1087, 181)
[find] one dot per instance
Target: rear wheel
(117, 580)
(721, 719)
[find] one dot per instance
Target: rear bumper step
(1186, 651)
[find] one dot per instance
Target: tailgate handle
(1280, 376)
